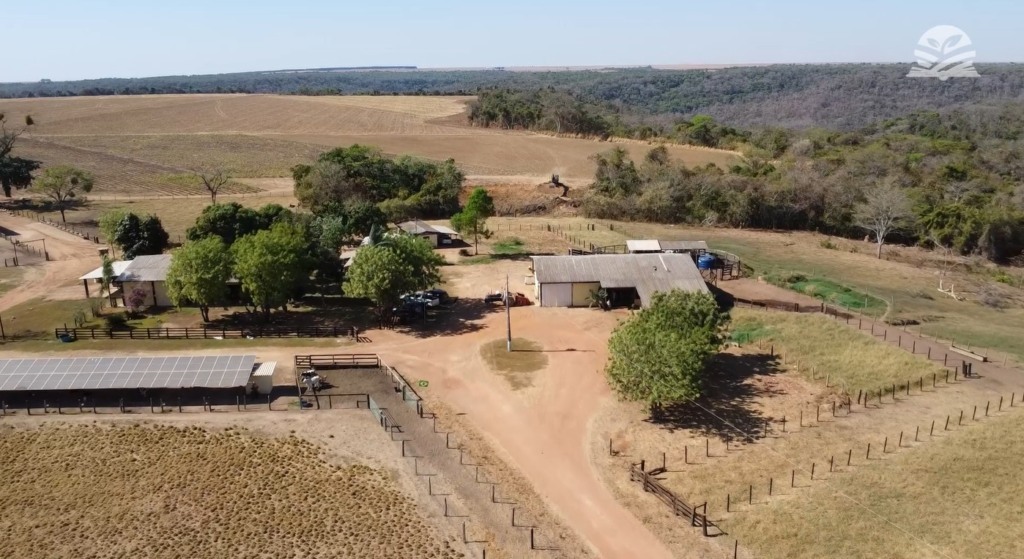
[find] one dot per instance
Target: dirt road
(544, 429)
(70, 257)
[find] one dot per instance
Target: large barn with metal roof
(568, 281)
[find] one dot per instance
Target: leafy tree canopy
(199, 273)
(396, 265)
(232, 221)
(659, 355)
(472, 220)
(62, 184)
(271, 265)
(138, 236)
(358, 175)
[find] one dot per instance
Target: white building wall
(556, 295)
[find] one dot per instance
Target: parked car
(424, 297)
(439, 294)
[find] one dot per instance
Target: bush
(828, 244)
(116, 321)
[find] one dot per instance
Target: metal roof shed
(647, 273)
(146, 268)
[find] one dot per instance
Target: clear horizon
(118, 39)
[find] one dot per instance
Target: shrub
(828, 244)
(117, 321)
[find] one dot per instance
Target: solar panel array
(111, 373)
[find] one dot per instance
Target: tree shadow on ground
(727, 408)
(462, 316)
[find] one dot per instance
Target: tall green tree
(658, 356)
(199, 273)
(232, 221)
(385, 271)
(138, 236)
(472, 220)
(15, 172)
(271, 264)
(63, 184)
(108, 222)
(107, 276)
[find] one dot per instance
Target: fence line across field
(204, 333)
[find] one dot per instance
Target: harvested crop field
(209, 129)
(120, 175)
(117, 489)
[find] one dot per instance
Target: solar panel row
(99, 373)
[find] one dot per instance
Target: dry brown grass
(427, 127)
(118, 175)
(238, 154)
(956, 497)
(158, 491)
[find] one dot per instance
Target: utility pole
(508, 317)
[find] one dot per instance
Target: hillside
(834, 96)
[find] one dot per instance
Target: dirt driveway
(544, 428)
(70, 257)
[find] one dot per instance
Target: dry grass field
(184, 130)
(957, 497)
(102, 490)
(119, 175)
(812, 342)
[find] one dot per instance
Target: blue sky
(64, 39)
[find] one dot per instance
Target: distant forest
(836, 96)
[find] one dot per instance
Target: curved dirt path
(544, 430)
(70, 257)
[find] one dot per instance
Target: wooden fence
(679, 507)
(337, 361)
(203, 333)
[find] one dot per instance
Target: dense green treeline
(960, 176)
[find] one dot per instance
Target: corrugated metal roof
(683, 245)
(643, 246)
(648, 273)
(101, 373)
(265, 369)
(417, 227)
(650, 245)
(147, 268)
(118, 265)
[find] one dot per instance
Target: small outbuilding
(629, 279)
(436, 235)
(148, 273)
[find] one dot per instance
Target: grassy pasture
(950, 498)
(853, 360)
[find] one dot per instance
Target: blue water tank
(706, 261)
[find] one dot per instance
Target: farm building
(95, 277)
(653, 246)
(567, 281)
(148, 273)
(436, 235)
